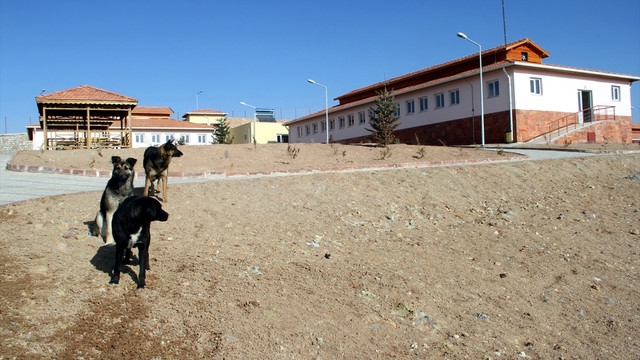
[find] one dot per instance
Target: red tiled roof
(445, 65)
(86, 93)
(160, 110)
(155, 123)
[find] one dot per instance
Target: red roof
(157, 110)
(86, 93)
(438, 71)
(155, 123)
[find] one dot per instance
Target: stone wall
(12, 143)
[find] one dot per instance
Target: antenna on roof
(504, 25)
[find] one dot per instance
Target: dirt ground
(506, 260)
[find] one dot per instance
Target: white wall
(38, 137)
(559, 94)
(560, 91)
(469, 105)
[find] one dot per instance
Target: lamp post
(326, 106)
(198, 94)
(254, 119)
(463, 36)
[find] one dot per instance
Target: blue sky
(262, 52)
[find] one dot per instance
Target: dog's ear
(115, 159)
(136, 209)
(131, 161)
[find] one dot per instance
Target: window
(139, 138)
(350, 120)
(494, 88)
(315, 128)
(524, 56)
(185, 139)
(439, 101)
(323, 126)
(397, 112)
(299, 131)
(341, 121)
(536, 86)
(424, 104)
(202, 139)
(332, 124)
(455, 97)
(306, 130)
(411, 107)
(615, 93)
(362, 118)
(155, 138)
(169, 137)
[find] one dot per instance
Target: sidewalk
(20, 186)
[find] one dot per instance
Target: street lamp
(463, 36)
(198, 94)
(254, 119)
(326, 106)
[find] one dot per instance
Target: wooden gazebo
(85, 117)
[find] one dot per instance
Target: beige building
(207, 117)
(265, 132)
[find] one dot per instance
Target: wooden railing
(573, 121)
(113, 139)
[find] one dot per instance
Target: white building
(441, 104)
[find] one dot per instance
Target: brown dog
(156, 166)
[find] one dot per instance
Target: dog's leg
(127, 257)
(146, 186)
(108, 238)
(115, 278)
(98, 226)
(143, 255)
(164, 188)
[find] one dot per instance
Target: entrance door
(585, 105)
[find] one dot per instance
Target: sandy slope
(536, 259)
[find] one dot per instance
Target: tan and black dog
(119, 187)
(156, 166)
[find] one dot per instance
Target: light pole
(254, 119)
(198, 94)
(463, 36)
(326, 106)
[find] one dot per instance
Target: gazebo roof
(85, 94)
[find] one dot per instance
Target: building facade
(524, 100)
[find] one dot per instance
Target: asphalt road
(21, 186)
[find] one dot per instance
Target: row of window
(157, 138)
(454, 99)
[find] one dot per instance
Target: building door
(585, 105)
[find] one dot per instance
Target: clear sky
(263, 51)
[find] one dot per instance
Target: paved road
(20, 186)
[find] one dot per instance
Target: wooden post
(88, 133)
(44, 127)
(129, 121)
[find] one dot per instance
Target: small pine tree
(383, 119)
(223, 132)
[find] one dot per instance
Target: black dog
(131, 224)
(118, 188)
(156, 166)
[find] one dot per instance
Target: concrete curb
(232, 174)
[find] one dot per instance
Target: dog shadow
(105, 258)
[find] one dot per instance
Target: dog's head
(122, 168)
(170, 149)
(148, 209)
